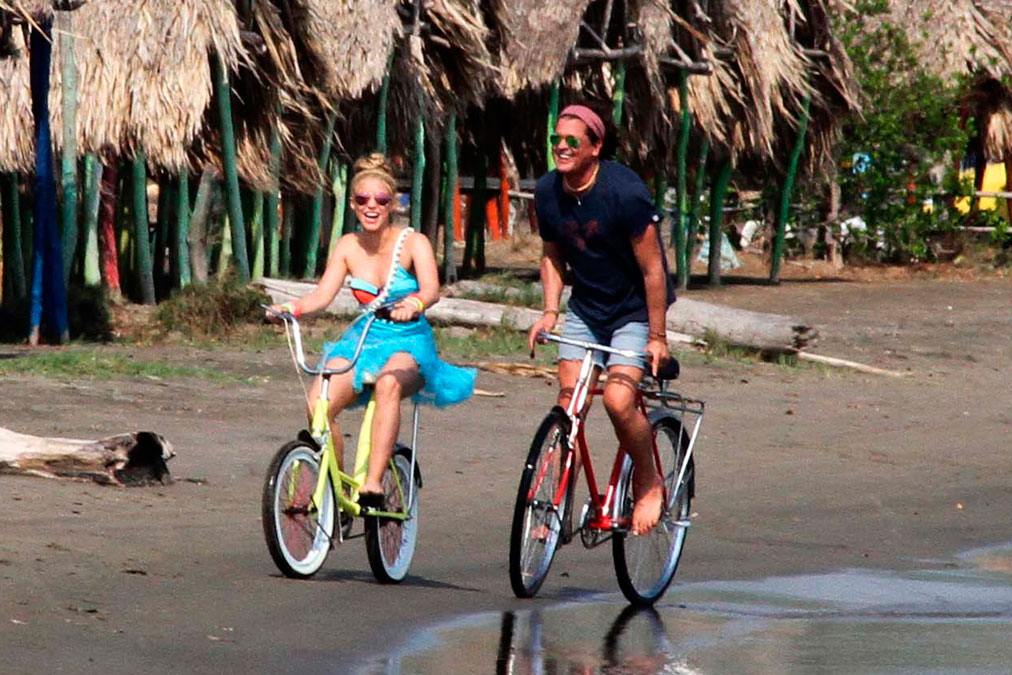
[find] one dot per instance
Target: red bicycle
(542, 516)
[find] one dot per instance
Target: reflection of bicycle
(644, 564)
(304, 482)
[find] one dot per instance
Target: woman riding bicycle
(388, 267)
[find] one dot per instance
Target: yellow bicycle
(305, 489)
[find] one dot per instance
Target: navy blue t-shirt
(594, 234)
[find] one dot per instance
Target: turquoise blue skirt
(444, 383)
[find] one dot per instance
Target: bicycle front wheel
(646, 564)
(390, 542)
(540, 509)
(298, 531)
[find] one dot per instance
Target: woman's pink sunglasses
(381, 199)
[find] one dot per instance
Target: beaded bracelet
(291, 308)
(551, 311)
(658, 335)
(417, 299)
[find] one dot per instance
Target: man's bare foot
(647, 510)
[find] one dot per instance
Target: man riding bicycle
(596, 216)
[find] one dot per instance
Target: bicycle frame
(603, 506)
(330, 474)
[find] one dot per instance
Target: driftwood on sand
(131, 459)
(687, 320)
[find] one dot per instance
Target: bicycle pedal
(347, 521)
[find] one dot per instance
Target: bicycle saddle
(668, 371)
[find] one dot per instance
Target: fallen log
(449, 310)
(739, 327)
(132, 459)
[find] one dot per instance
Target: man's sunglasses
(572, 142)
(381, 199)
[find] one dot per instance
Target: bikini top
(399, 281)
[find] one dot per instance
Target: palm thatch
(771, 71)
(344, 45)
(533, 39)
(143, 82)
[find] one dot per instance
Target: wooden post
(785, 196)
(49, 293)
(256, 233)
(697, 195)
(142, 245)
(718, 192)
(553, 118)
(287, 223)
(679, 230)
(182, 276)
(92, 198)
(339, 188)
(312, 243)
(618, 94)
(432, 204)
(15, 281)
(271, 204)
(224, 96)
(68, 158)
(504, 195)
(160, 245)
(449, 265)
(418, 175)
(381, 109)
(196, 238)
(474, 240)
(109, 193)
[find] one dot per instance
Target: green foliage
(911, 125)
(92, 363)
(215, 309)
(87, 315)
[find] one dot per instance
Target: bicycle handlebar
(292, 324)
(628, 353)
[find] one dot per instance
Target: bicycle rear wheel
(537, 522)
(390, 542)
(298, 532)
(646, 564)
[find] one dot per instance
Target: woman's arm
(330, 282)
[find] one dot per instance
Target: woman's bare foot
(647, 510)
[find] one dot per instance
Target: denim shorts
(632, 336)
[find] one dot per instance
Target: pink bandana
(587, 116)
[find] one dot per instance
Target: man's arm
(647, 249)
(552, 267)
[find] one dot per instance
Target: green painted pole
(449, 265)
(92, 198)
(271, 203)
(381, 113)
(68, 158)
(697, 196)
(418, 175)
(142, 245)
(339, 185)
(785, 196)
(474, 237)
(316, 215)
(680, 226)
(182, 277)
(288, 222)
(14, 254)
(618, 94)
(256, 230)
(224, 96)
(718, 192)
(553, 118)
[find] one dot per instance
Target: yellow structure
(994, 181)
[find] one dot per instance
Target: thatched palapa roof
(143, 79)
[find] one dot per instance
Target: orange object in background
(458, 214)
(492, 218)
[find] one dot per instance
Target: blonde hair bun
(375, 165)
